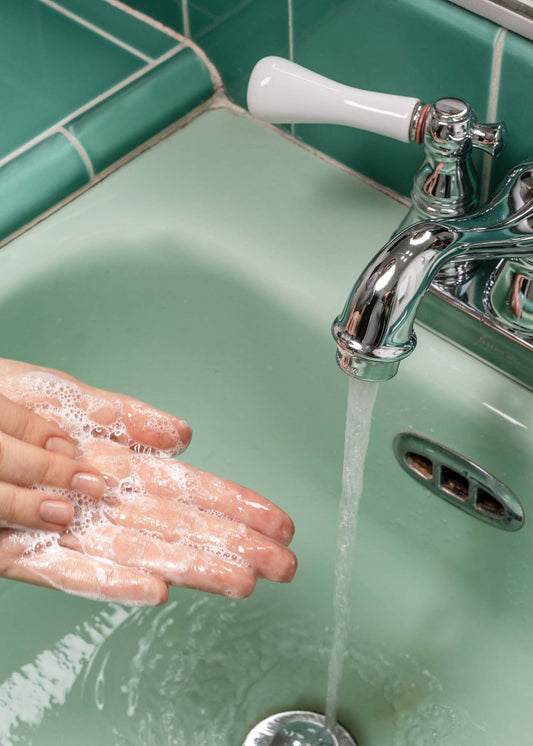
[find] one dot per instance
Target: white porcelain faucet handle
(280, 91)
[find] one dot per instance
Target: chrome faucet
(436, 251)
(375, 330)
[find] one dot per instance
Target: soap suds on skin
(101, 426)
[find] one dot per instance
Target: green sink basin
(203, 277)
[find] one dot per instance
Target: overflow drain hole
(487, 502)
(454, 483)
(420, 464)
(459, 481)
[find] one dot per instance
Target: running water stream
(361, 398)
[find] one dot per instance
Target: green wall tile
(246, 32)
(205, 14)
(312, 14)
(37, 179)
(143, 108)
(515, 104)
(127, 28)
(168, 12)
(220, 8)
(426, 49)
(200, 19)
(50, 66)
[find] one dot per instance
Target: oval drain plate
(459, 481)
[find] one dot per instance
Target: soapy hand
(136, 520)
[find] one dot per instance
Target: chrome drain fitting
(297, 728)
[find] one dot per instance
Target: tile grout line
(185, 16)
(90, 104)
(216, 78)
(81, 150)
(291, 47)
(291, 30)
(496, 74)
(148, 20)
(185, 40)
(492, 105)
(96, 29)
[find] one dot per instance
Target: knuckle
(51, 470)
(2, 451)
(27, 426)
(10, 508)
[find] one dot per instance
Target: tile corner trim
(71, 155)
(37, 179)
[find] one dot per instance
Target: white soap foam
(100, 425)
(85, 416)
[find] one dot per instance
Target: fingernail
(62, 446)
(90, 484)
(287, 531)
(55, 511)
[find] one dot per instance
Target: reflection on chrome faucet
(375, 330)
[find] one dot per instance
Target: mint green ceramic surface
(203, 277)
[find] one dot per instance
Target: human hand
(34, 450)
(160, 521)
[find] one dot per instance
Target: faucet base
(461, 315)
(510, 295)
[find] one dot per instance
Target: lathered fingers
(84, 410)
(175, 480)
(25, 465)
(66, 570)
(177, 564)
(19, 422)
(174, 521)
(34, 509)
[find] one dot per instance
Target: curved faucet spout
(375, 330)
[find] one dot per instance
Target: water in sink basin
(426, 648)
